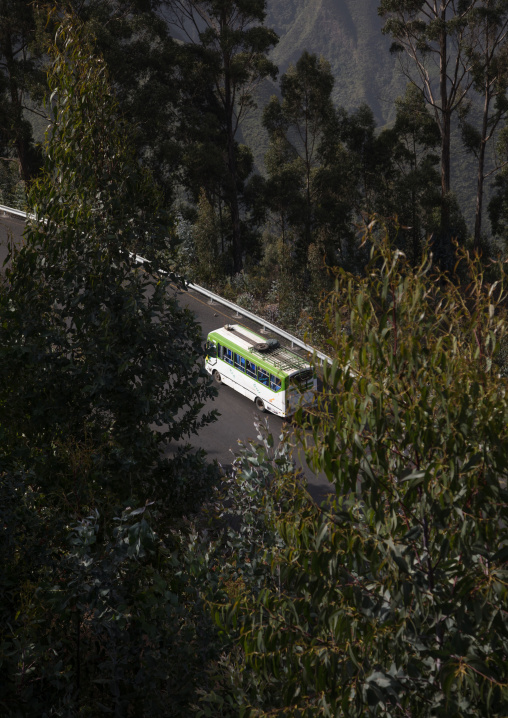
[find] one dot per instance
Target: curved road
(237, 413)
(9, 227)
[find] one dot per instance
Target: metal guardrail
(241, 312)
(266, 326)
(10, 210)
(216, 299)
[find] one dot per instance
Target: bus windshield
(302, 380)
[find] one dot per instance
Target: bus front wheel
(259, 404)
(217, 377)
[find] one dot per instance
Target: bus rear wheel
(260, 404)
(217, 377)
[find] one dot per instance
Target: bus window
(275, 383)
(263, 376)
(211, 349)
(251, 369)
(228, 356)
(239, 362)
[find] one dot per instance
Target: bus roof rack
(278, 354)
(282, 357)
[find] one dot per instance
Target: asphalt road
(237, 413)
(9, 227)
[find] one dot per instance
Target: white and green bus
(273, 376)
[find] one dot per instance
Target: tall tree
(297, 125)
(414, 187)
(19, 78)
(284, 188)
(431, 34)
(498, 205)
(100, 368)
(393, 602)
(233, 45)
(370, 154)
(487, 51)
(142, 61)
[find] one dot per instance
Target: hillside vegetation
(348, 34)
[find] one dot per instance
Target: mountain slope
(348, 34)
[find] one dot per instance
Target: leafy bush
(247, 301)
(393, 601)
(98, 617)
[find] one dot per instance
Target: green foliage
(98, 616)
(12, 188)
(100, 372)
(143, 66)
(498, 205)
(392, 602)
(246, 508)
(320, 283)
(289, 289)
(296, 126)
(92, 345)
(437, 37)
(285, 184)
(486, 52)
(414, 192)
(348, 34)
(208, 233)
(498, 209)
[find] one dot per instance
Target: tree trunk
(308, 215)
(445, 171)
(416, 229)
(230, 139)
(16, 119)
(415, 219)
(233, 205)
(481, 165)
(481, 159)
(445, 128)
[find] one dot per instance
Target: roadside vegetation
(391, 600)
